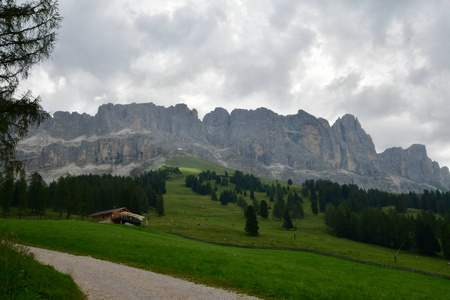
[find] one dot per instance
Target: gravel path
(100, 279)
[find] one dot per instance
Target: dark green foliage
(264, 210)
(224, 181)
(20, 195)
(246, 182)
(251, 224)
(86, 194)
(214, 196)
(287, 221)
(356, 214)
(190, 181)
(384, 228)
(278, 209)
(28, 35)
(160, 205)
(314, 208)
(425, 236)
(446, 241)
(402, 203)
(228, 196)
(242, 204)
(6, 194)
(289, 182)
(297, 211)
(37, 194)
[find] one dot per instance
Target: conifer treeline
(85, 194)
(356, 214)
(282, 198)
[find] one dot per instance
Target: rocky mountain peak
(259, 141)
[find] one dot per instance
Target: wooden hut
(118, 215)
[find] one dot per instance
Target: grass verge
(22, 277)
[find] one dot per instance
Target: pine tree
(425, 238)
(314, 208)
(36, 194)
(28, 35)
(297, 211)
(214, 196)
(251, 224)
(278, 209)
(7, 195)
(160, 205)
(21, 195)
(287, 221)
(264, 211)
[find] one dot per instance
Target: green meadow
(196, 216)
(268, 273)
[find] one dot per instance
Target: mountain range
(132, 138)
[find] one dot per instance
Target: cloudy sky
(386, 62)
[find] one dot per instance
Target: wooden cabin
(118, 215)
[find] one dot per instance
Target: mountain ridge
(300, 146)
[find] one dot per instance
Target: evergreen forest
(419, 223)
(85, 194)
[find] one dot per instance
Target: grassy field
(267, 273)
(22, 277)
(199, 217)
(271, 274)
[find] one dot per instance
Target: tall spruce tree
(287, 221)
(264, 210)
(278, 209)
(36, 194)
(160, 205)
(7, 195)
(251, 224)
(27, 37)
(314, 208)
(20, 193)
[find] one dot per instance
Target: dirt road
(100, 279)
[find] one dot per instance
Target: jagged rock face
(357, 149)
(217, 124)
(414, 164)
(260, 141)
(316, 148)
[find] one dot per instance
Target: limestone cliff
(299, 146)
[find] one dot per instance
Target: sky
(385, 62)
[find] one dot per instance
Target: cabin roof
(109, 211)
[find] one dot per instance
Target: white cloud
(384, 61)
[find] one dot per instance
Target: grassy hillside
(197, 216)
(265, 273)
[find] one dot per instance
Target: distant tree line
(85, 194)
(286, 203)
(356, 214)
(323, 192)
